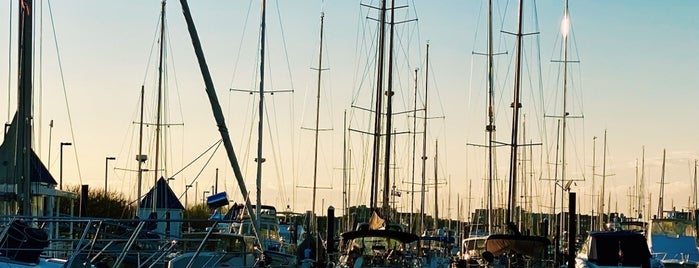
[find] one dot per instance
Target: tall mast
(592, 196)
(389, 116)
(564, 116)
(436, 191)
(635, 193)
(512, 198)
(261, 109)
(24, 108)
(217, 111)
(379, 105)
(694, 191)
(641, 191)
(159, 109)
(424, 144)
(140, 158)
(604, 180)
(490, 128)
(557, 235)
(345, 193)
(565, 106)
(662, 189)
(315, 156)
(411, 224)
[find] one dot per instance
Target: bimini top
(533, 246)
(612, 248)
(397, 235)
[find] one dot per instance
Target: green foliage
(197, 216)
(113, 205)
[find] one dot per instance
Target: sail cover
(532, 246)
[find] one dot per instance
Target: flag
(395, 193)
(376, 222)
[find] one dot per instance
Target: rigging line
(171, 58)
(419, 36)
(65, 93)
(240, 44)
(360, 76)
(286, 52)
(131, 143)
(9, 63)
(217, 145)
(251, 115)
(274, 132)
(292, 114)
(150, 53)
(436, 89)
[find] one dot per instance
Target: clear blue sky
(637, 78)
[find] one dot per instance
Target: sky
(634, 76)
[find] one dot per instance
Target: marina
(473, 134)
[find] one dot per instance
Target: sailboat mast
(436, 191)
(604, 180)
(159, 109)
(424, 144)
(564, 117)
(217, 111)
(592, 196)
(662, 189)
(411, 224)
(345, 193)
(261, 109)
(565, 105)
(389, 116)
(379, 105)
(24, 108)
(141, 158)
(641, 190)
(512, 198)
(694, 192)
(490, 128)
(315, 156)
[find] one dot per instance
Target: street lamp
(186, 189)
(106, 164)
(60, 178)
(203, 197)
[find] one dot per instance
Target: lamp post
(203, 197)
(60, 178)
(106, 169)
(186, 189)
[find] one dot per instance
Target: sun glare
(565, 25)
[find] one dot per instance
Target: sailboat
(265, 226)
(513, 246)
(27, 189)
(380, 243)
(672, 234)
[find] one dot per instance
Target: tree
(112, 205)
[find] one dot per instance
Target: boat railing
(97, 239)
(663, 256)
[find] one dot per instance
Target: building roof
(38, 172)
(166, 198)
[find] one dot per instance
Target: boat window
(673, 228)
